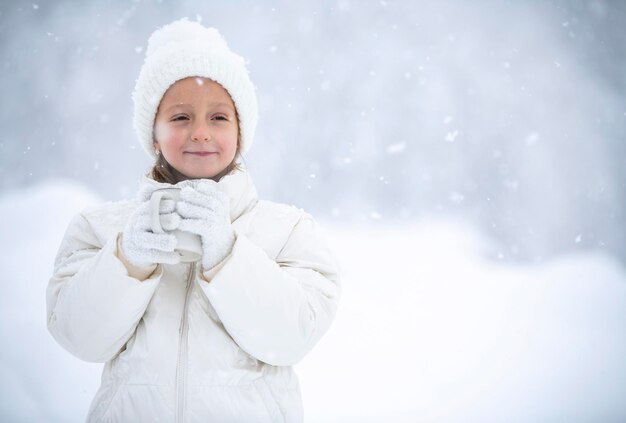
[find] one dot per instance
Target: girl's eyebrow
(176, 105)
(221, 103)
(211, 104)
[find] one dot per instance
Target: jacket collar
(238, 186)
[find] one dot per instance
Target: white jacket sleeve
(276, 310)
(93, 305)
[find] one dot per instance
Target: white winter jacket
(195, 345)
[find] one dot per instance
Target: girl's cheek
(161, 131)
(168, 133)
(177, 136)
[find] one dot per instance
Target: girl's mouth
(201, 153)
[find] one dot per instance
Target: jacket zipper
(181, 364)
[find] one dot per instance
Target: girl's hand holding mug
(142, 247)
(205, 211)
(177, 224)
(189, 245)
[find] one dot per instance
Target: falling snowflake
(396, 148)
(532, 138)
(456, 197)
(451, 136)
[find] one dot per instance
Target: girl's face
(196, 128)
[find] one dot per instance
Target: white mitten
(204, 210)
(143, 248)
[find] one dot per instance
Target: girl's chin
(201, 174)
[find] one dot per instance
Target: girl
(208, 341)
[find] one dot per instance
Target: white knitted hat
(183, 49)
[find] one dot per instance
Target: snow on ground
(430, 331)
(427, 330)
(39, 381)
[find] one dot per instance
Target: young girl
(212, 340)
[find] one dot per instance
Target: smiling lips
(201, 153)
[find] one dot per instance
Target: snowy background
(471, 153)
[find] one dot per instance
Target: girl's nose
(201, 133)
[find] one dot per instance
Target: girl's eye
(220, 117)
(179, 118)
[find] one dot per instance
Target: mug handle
(155, 207)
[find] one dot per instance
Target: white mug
(189, 245)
